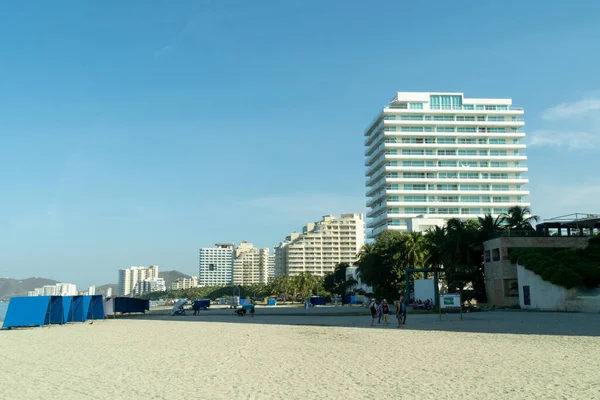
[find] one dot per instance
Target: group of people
(381, 311)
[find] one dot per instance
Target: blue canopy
(34, 311)
(67, 300)
(76, 314)
(96, 309)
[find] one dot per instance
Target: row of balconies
(374, 141)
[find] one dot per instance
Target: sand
(225, 357)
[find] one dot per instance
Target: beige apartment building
(321, 246)
(129, 277)
(184, 283)
(252, 265)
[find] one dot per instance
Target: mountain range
(19, 287)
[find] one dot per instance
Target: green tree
(336, 283)
(383, 265)
(304, 285)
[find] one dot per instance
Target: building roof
(573, 221)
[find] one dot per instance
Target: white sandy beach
(226, 357)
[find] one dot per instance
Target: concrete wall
(543, 294)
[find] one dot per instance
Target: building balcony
(455, 146)
(448, 110)
(463, 124)
(459, 192)
(471, 135)
(402, 168)
(453, 204)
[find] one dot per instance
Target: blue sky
(133, 133)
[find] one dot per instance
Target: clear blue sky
(135, 132)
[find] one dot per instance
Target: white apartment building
(321, 246)
(434, 156)
(92, 290)
(58, 289)
(128, 278)
(150, 285)
(216, 265)
(251, 265)
(185, 283)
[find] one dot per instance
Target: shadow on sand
(503, 322)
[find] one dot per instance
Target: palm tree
(519, 219)
(415, 249)
(489, 226)
(435, 240)
(366, 250)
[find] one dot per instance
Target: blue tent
(87, 300)
(96, 309)
(34, 311)
(55, 314)
(129, 305)
(67, 300)
(77, 312)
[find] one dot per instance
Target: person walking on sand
(403, 301)
(373, 308)
(385, 310)
(252, 308)
(399, 312)
(379, 313)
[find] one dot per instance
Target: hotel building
(434, 156)
(321, 246)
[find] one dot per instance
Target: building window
(496, 254)
(416, 106)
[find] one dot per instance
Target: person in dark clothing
(385, 310)
(403, 302)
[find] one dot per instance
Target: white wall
(543, 294)
(424, 289)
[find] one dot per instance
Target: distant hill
(19, 287)
(170, 276)
(104, 288)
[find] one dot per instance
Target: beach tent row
(48, 310)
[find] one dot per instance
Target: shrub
(566, 278)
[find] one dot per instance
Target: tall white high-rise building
(321, 246)
(92, 290)
(216, 265)
(251, 265)
(434, 156)
(129, 277)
